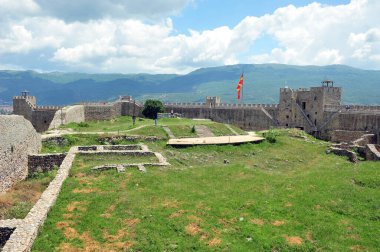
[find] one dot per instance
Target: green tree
(152, 107)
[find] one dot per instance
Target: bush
(271, 135)
(83, 125)
(152, 108)
(193, 129)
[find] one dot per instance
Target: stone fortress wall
(18, 139)
(44, 118)
(317, 110)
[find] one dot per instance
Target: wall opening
(5, 233)
(303, 105)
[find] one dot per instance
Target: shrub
(83, 125)
(193, 129)
(271, 135)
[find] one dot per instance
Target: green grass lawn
(287, 196)
(220, 129)
(123, 123)
(181, 131)
(120, 123)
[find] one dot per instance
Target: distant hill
(261, 84)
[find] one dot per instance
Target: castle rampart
(18, 139)
(317, 110)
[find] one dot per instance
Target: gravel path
(203, 131)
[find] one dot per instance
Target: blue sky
(210, 14)
(179, 36)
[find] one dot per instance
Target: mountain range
(261, 84)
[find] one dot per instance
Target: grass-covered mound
(285, 196)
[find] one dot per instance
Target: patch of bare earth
(202, 206)
(194, 218)
(109, 211)
(258, 222)
(132, 222)
(193, 229)
(85, 190)
(353, 236)
(23, 191)
(170, 203)
(357, 248)
(278, 223)
(293, 240)
(177, 214)
(76, 205)
(288, 204)
(214, 242)
(91, 245)
(309, 237)
(68, 232)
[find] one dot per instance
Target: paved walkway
(215, 140)
(232, 130)
(203, 131)
(168, 131)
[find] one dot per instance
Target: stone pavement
(203, 131)
(168, 131)
(215, 140)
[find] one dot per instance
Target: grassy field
(123, 123)
(286, 196)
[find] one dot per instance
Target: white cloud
(106, 42)
(17, 8)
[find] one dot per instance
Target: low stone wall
(44, 162)
(346, 135)
(344, 152)
(26, 230)
(112, 139)
(372, 152)
(18, 139)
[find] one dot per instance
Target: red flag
(240, 85)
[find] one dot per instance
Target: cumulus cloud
(116, 37)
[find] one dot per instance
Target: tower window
(303, 105)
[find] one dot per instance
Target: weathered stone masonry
(18, 139)
(49, 117)
(317, 110)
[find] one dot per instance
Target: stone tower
(304, 108)
(24, 105)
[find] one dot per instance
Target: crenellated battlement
(353, 108)
(41, 108)
(220, 105)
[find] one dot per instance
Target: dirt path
(203, 131)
